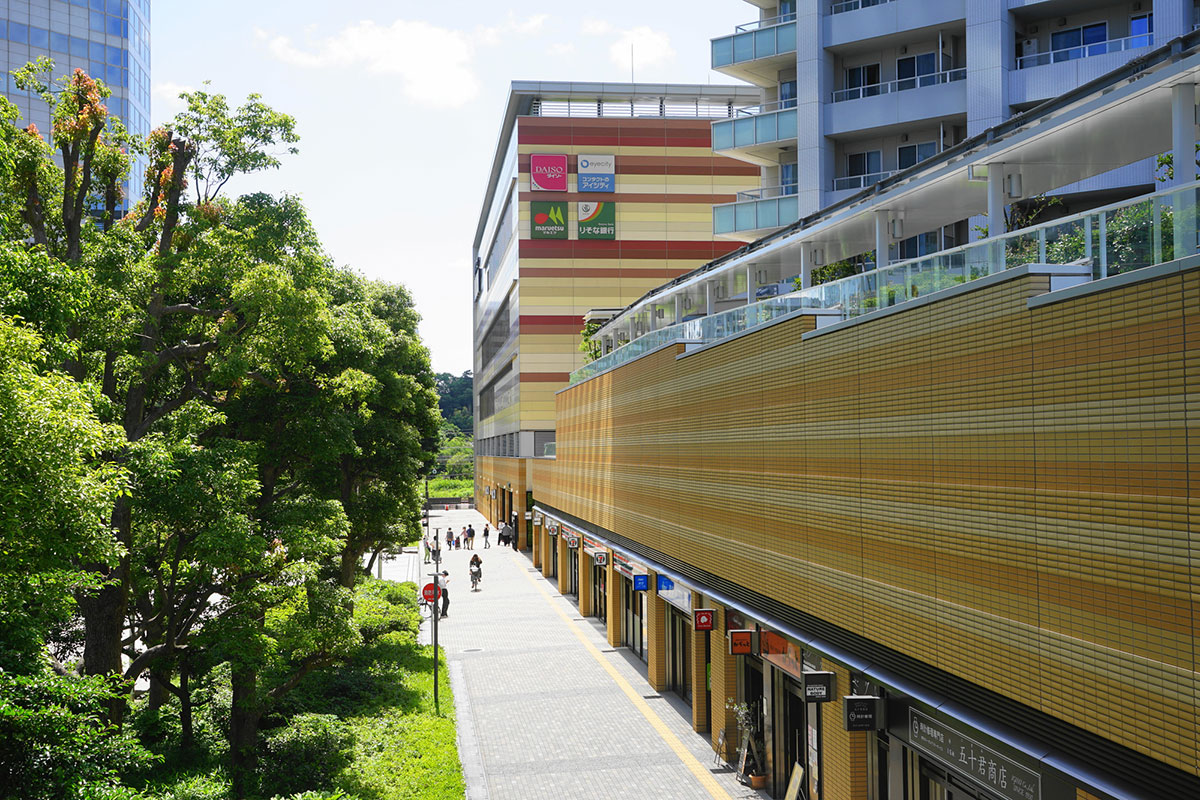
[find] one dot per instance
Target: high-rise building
(597, 194)
(856, 90)
(108, 39)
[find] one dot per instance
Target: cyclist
(476, 568)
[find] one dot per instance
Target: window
(39, 37)
(787, 94)
(1088, 40)
(1141, 26)
(868, 163)
(916, 246)
(864, 79)
(59, 42)
(909, 154)
(914, 71)
(18, 32)
(787, 10)
(787, 178)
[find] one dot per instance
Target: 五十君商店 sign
(995, 772)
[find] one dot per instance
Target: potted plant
(751, 768)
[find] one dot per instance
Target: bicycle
(425, 606)
(476, 576)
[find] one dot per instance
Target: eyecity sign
(597, 173)
(548, 172)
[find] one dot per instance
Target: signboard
(528, 515)
(795, 783)
(702, 619)
(600, 558)
(430, 592)
(676, 593)
(665, 584)
(641, 583)
(571, 539)
(818, 687)
(597, 220)
(743, 642)
(548, 172)
(547, 220)
(597, 173)
(985, 766)
(861, 713)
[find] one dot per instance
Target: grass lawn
(451, 487)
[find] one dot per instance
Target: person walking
(425, 542)
(512, 536)
(486, 545)
(444, 584)
(470, 537)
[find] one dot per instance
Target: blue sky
(398, 106)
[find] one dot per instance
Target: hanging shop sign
(571, 539)
(597, 220)
(548, 172)
(818, 687)
(597, 173)
(984, 765)
(600, 558)
(702, 619)
(677, 593)
(743, 642)
(547, 220)
(641, 583)
(862, 713)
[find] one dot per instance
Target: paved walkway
(546, 709)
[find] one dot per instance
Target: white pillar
(709, 304)
(805, 267)
(881, 239)
(750, 287)
(995, 199)
(1183, 132)
(678, 306)
(653, 316)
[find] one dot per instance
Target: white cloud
(165, 97)
(562, 49)
(645, 46)
(427, 58)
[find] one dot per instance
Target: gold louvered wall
(999, 491)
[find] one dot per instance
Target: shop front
(552, 551)
(678, 596)
(596, 559)
(633, 603)
(571, 541)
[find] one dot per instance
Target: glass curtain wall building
(108, 39)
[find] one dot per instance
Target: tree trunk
(243, 732)
(104, 615)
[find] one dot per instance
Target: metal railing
(765, 23)
(861, 181)
(854, 5)
(900, 85)
(781, 190)
(1114, 239)
(765, 108)
(701, 108)
(1086, 50)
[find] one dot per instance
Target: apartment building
(856, 90)
(597, 194)
(930, 522)
(108, 39)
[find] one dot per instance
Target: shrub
(197, 787)
(306, 754)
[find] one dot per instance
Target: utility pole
(437, 581)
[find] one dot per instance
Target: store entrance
(553, 557)
(632, 629)
(937, 783)
(600, 592)
(573, 571)
(679, 649)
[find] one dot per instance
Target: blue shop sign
(665, 584)
(641, 583)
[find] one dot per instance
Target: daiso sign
(548, 172)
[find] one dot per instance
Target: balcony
(757, 211)
(855, 5)
(755, 134)
(887, 19)
(1040, 76)
(756, 51)
(1112, 240)
(858, 182)
(941, 95)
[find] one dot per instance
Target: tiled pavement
(546, 708)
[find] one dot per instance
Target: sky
(398, 105)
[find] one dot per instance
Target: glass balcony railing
(757, 214)
(764, 41)
(854, 5)
(901, 85)
(759, 24)
(1111, 240)
(860, 181)
(749, 131)
(1085, 51)
(781, 190)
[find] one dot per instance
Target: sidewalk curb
(474, 773)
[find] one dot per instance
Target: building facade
(108, 39)
(597, 194)
(855, 91)
(932, 523)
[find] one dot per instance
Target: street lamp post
(437, 581)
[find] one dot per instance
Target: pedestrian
(485, 538)
(437, 550)
(458, 542)
(425, 542)
(444, 583)
(470, 537)
(514, 539)
(449, 538)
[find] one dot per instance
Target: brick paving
(546, 708)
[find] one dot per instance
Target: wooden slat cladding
(1001, 492)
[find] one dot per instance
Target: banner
(597, 173)
(548, 172)
(597, 220)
